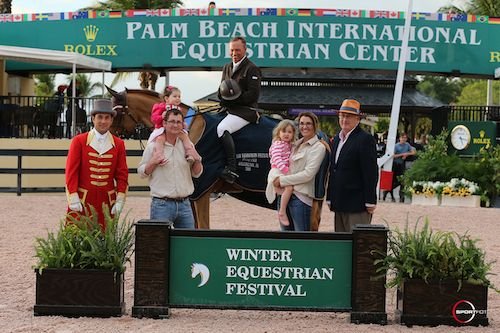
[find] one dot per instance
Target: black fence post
(19, 172)
(368, 293)
(151, 288)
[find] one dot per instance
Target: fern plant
(80, 243)
(430, 255)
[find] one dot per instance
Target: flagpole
(387, 159)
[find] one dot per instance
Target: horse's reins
(138, 125)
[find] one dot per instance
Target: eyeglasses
(174, 122)
(306, 124)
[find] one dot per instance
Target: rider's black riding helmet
(229, 90)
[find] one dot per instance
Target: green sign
(194, 42)
(468, 137)
(260, 273)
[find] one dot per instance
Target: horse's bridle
(121, 108)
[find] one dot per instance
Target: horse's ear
(111, 91)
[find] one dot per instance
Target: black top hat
(103, 106)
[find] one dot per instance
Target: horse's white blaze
(202, 270)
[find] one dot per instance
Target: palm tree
(475, 7)
(135, 4)
(5, 6)
(45, 84)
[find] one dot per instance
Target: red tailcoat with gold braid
(97, 178)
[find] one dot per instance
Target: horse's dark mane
(143, 91)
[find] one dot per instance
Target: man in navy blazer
(353, 171)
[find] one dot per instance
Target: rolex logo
(90, 32)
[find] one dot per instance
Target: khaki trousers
(345, 221)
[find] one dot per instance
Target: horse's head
(133, 110)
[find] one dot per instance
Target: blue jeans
(178, 212)
(299, 215)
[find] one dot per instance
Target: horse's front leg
(201, 211)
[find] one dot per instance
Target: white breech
(231, 123)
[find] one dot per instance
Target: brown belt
(172, 199)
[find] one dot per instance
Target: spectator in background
(211, 5)
(402, 150)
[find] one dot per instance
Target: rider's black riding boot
(229, 173)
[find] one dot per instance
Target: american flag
(55, 16)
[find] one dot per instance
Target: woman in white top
(307, 155)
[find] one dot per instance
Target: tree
(85, 85)
(441, 88)
(135, 4)
(45, 84)
(475, 7)
(5, 6)
(474, 93)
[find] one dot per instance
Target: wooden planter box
(79, 292)
(421, 199)
(439, 303)
(469, 201)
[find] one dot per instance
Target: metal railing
(20, 170)
(42, 117)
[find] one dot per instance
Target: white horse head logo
(202, 270)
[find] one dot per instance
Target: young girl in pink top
(284, 134)
(172, 97)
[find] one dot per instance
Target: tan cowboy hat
(351, 106)
(103, 106)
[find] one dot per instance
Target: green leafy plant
(80, 243)
(430, 255)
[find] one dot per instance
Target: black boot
(229, 173)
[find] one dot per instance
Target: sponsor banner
(263, 273)
(291, 39)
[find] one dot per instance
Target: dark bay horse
(252, 146)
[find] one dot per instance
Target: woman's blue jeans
(299, 215)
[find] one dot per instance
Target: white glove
(118, 206)
(74, 203)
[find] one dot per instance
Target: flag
(92, 14)
(164, 12)
(420, 16)
(304, 12)
(102, 14)
(136, 12)
(213, 12)
(203, 12)
(152, 12)
(17, 17)
(379, 14)
(281, 11)
(343, 12)
(325, 12)
(471, 18)
(80, 15)
(55, 16)
(227, 12)
(494, 20)
(40, 17)
(482, 19)
(292, 12)
(5, 17)
(175, 12)
(115, 14)
(243, 11)
(267, 11)
(355, 13)
(190, 12)
(437, 17)
(459, 17)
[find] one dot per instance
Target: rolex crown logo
(481, 134)
(90, 32)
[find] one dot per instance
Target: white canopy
(53, 57)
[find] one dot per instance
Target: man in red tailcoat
(96, 168)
